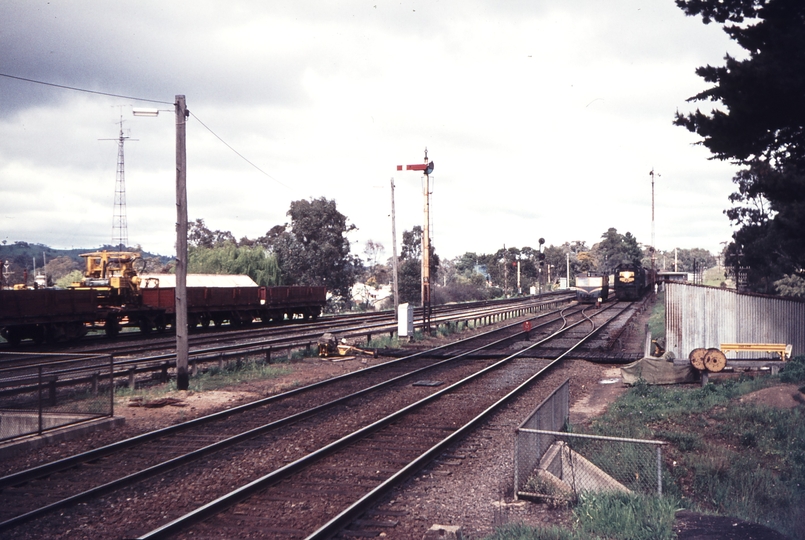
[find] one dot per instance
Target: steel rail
(308, 331)
(219, 445)
(243, 492)
(48, 469)
(100, 452)
(332, 527)
(166, 361)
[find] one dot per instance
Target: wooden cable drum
(696, 358)
(715, 360)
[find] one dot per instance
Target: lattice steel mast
(120, 228)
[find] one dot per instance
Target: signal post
(426, 168)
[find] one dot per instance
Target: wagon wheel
(696, 358)
(13, 336)
(715, 360)
(40, 335)
(111, 327)
(145, 325)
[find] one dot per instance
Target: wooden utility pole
(540, 276)
(394, 251)
(182, 375)
(180, 291)
(505, 273)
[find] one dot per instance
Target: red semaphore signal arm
(427, 167)
(417, 167)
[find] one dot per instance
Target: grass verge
(725, 457)
(656, 321)
(605, 516)
(214, 378)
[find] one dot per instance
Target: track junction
(313, 459)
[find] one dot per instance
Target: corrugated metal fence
(697, 316)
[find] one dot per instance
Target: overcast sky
(543, 118)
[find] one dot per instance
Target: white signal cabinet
(405, 320)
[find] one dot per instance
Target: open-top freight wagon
(45, 314)
(112, 296)
(237, 306)
(54, 315)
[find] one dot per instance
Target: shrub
(794, 371)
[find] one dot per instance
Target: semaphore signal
(427, 169)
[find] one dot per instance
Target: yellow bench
(781, 349)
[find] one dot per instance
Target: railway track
(263, 442)
(151, 361)
(208, 339)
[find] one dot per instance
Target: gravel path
(472, 486)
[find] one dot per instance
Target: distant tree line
(312, 248)
(474, 276)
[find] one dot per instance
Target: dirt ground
(144, 415)
(148, 411)
(782, 396)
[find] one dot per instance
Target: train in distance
(628, 282)
(633, 281)
(112, 295)
(592, 288)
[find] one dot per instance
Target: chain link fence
(575, 463)
(552, 414)
(552, 464)
(45, 396)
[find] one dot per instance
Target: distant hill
(23, 253)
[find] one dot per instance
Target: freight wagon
(237, 306)
(112, 296)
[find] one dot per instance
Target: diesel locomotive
(632, 281)
(592, 288)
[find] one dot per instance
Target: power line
(241, 156)
(150, 101)
(84, 89)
